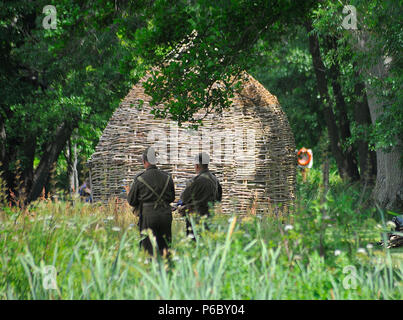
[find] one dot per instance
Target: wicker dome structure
(251, 147)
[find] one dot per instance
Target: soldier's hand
(182, 210)
(136, 212)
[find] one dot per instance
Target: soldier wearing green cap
(151, 193)
(201, 192)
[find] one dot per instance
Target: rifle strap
(162, 192)
(159, 196)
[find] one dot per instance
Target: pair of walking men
(153, 190)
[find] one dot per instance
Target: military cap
(150, 155)
(202, 158)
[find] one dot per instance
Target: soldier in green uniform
(201, 191)
(151, 193)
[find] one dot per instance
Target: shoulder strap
(141, 179)
(206, 175)
(163, 191)
(159, 196)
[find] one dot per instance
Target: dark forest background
(340, 87)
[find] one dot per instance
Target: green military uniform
(202, 190)
(150, 194)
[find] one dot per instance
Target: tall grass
(95, 251)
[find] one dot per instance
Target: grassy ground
(325, 250)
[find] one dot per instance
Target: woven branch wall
(251, 147)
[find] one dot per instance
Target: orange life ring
(302, 162)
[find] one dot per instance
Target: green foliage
(381, 20)
(97, 256)
(285, 69)
(74, 75)
(198, 44)
(77, 73)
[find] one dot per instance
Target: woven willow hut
(251, 147)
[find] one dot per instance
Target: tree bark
(29, 155)
(8, 153)
(366, 157)
(62, 134)
(388, 190)
(320, 73)
(350, 162)
(5, 155)
(3, 137)
(73, 174)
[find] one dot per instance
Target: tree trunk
(3, 142)
(74, 174)
(29, 155)
(350, 163)
(69, 166)
(388, 190)
(7, 154)
(76, 182)
(366, 157)
(72, 168)
(320, 72)
(63, 133)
